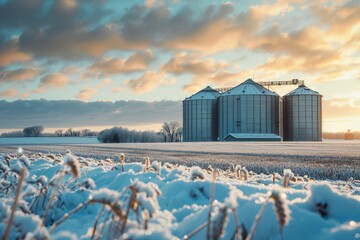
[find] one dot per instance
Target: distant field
(322, 160)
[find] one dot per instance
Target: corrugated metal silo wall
(303, 118)
(281, 117)
(248, 114)
(200, 120)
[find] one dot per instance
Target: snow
(170, 201)
(336, 160)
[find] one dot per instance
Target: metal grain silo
(200, 116)
(302, 115)
(248, 108)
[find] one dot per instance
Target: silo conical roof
(249, 87)
(206, 93)
(303, 90)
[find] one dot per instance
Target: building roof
(253, 135)
(249, 87)
(206, 93)
(302, 90)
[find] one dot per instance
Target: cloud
(138, 61)
(103, 83)
(10, 93)
(22, 74)
(20, 14)
(10, 54)
(183, 63)
(218, 79)
(117, 89)
(54, 80)
(342, 18)
(19, 114)
(149, 81)
(340, 108)
(86, 94)
(70, 29)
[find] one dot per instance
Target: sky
(97, 50)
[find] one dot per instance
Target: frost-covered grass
(64, 196)
(335, 160)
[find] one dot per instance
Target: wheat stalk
(281, 209)
(16, 201)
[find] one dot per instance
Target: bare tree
(171, 131)
(59, 132)
(34, 131)
(86, 132)
(69, 133)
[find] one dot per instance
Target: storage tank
(302, 115)
(248, 108)
(200, 116)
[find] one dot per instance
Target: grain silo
(200, 116)
(302, 115)
(247, 109)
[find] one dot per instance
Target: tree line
(37, 131)
(169, 132)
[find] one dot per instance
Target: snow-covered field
(64, 196)
(336, 160)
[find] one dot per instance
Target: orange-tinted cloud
(10, 54)
(340, 108)
(86, 94)
(149, 81)
(9, 93)
(54, 80)
(218, 79)
(137, 62)
(22, 74)
(183, 63)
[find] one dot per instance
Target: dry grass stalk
(67, 215)
(147, 164)
(198, 229)
(74, 165)
(244, 173)
(237, 224)
(219, 224)
(212, 193)
(257, 220)
(159, 168)
(281, 209)
(146, 216)
(286, 181)
(16, 201)
(237, 170)
(122, 161)
(96, 221)
(115, 208)
(131, 203)
(53, 195)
